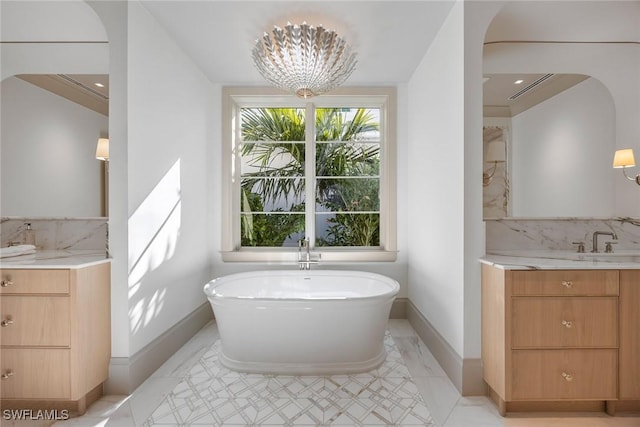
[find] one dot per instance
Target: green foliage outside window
(347, 171)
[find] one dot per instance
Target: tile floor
(175, 393)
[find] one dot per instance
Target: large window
(321, 169)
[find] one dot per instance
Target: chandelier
(304, 59)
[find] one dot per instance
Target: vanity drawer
(35, 374)
(34, 282)
(565, 282)
(539, 322)
(564, 374)
(35, 321)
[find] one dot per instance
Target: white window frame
(235, 98)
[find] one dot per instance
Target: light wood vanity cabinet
(55, 336)
(630, 335)
(550, 338)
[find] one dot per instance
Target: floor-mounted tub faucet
(602, 233)
(304, 255)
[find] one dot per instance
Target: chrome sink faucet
(602, 233)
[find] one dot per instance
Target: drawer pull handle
(567, 323)
(7, 374)
(6, 322)
(567, 283)
(567, 377)
(6, 283)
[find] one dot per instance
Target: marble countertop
(51, 259)
(562, 260)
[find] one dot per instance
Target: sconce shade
(102, 149)
(496, 151)
(623, 158)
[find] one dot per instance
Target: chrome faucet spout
(304, 257)
(601, 233)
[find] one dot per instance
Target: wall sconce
(624, 159)
(495, 155)
(102, 149)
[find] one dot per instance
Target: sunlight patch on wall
(143, 313)
(154, 230)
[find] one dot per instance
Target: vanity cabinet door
(630, 334)
(35, 321)
(34, 373)
(564, 374)
(548, 322)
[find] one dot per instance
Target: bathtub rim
(209, 287)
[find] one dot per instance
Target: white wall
(114, 16)
(445, 186)
(477, 17)
(435, 214)
(561, 155)
(47, 152)
(170, 106)
(162, 124)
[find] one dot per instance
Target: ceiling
(88, 90)
(550, 22)
(506, 95)
(390, 37)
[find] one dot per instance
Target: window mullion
(309, 173)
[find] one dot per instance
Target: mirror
(52, 113)
(50, 128)
(559, 136)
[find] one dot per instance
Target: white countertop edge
(50, 259)
(511, 262)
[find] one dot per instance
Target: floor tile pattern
(213, 395)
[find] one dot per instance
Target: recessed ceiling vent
(530, 87)
(82, 86)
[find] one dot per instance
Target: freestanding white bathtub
(302, 322)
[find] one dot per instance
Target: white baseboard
(465, 374)
(399, 308)
(127, 373)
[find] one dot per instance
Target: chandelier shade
(304, 59)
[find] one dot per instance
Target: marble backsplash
(508, 234)
(57, 233)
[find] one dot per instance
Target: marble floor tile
(210, 394)
(440, 396)
(400, 328)
(190, 353)
(418, 358)
(106, 406)
(476, 412)
(409, 389)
